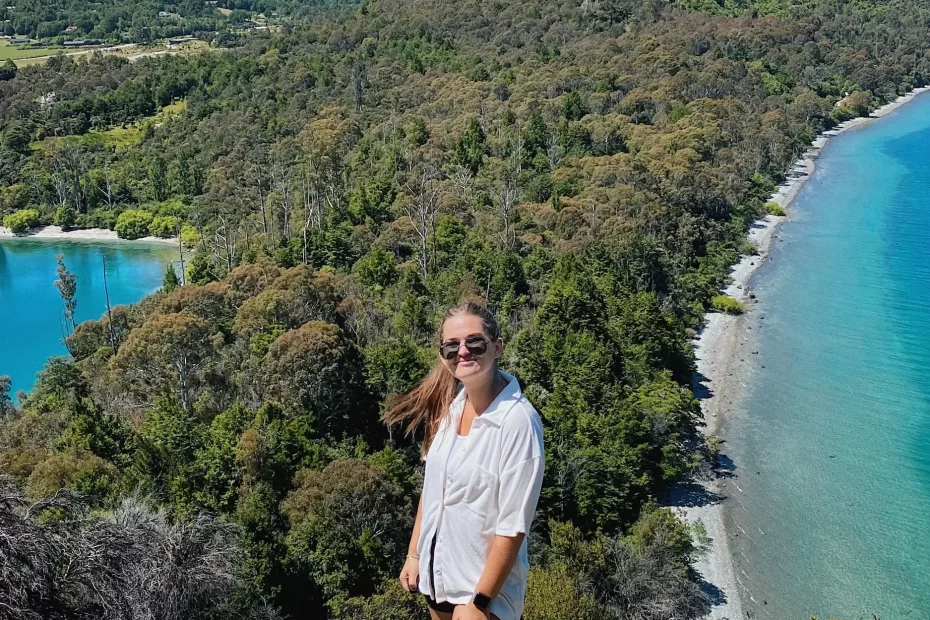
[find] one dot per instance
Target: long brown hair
(427, 403)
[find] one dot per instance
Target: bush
(726, 304)
(189, 236)
(66, 217)
(165, 226)
(133, 224)
(748, 248)
(377, 269)
(554, 593)
(773, 208)
(101, 218)
(22, 221)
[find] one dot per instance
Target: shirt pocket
(481, 492)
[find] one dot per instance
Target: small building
(71, 29)
(19, 40)
(81, 43)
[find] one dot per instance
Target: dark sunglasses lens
(448, 350)
(476, 347)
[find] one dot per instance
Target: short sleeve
(521, 477)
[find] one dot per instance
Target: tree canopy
(589, 169)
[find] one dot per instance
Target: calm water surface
(30, 306)
(832, 451)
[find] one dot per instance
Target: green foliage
(190, 237)
(574, 106)
(164, 226)
(22, 221)
(773, 208)
(594, 190)
(392, 604)
(82, 472)
(377, 269)
(371, 204)
(65, 217)
(469, 150)
(555, 593)
(170, 281)
(347, 512)
(726, 304)
(8, 70)
(134, 224)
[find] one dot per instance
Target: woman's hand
(469, 612)
(410, 575)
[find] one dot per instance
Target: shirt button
(440, 539)
(438, 572)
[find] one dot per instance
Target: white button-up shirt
(488, 488)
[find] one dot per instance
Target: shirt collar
(499, 407)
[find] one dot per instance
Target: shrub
(377, 269)
(66, 217)
(748, 248)
(22, 221)
(164, 226)
(725, 303)
(133, 224)
(174, 208)
(189, 236)
(554, 593)
(101, 218)
(773, 208)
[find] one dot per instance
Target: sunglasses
(475, 345)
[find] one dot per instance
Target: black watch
(482, 602)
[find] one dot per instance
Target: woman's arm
(503, 554)
(410, 575)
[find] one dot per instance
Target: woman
(483, 448)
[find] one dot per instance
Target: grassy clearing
(132, 52)
(18, 52)
(119, 138)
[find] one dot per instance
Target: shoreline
(81, 234)
(720, 349)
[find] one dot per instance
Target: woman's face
(466, 366)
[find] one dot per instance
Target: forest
(143, 22)
(589, 169)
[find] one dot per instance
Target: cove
(31, 308)
(830, 503)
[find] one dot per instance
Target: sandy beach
(721, 350)
(85, 234)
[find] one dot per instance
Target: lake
(31, 307)
(831, 511)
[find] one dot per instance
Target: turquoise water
(832, 451)
(31, 308)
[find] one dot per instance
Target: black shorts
(444, 607)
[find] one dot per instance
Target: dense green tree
(469, 150)
(134, 224)
(8, 70)
(346, 512)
